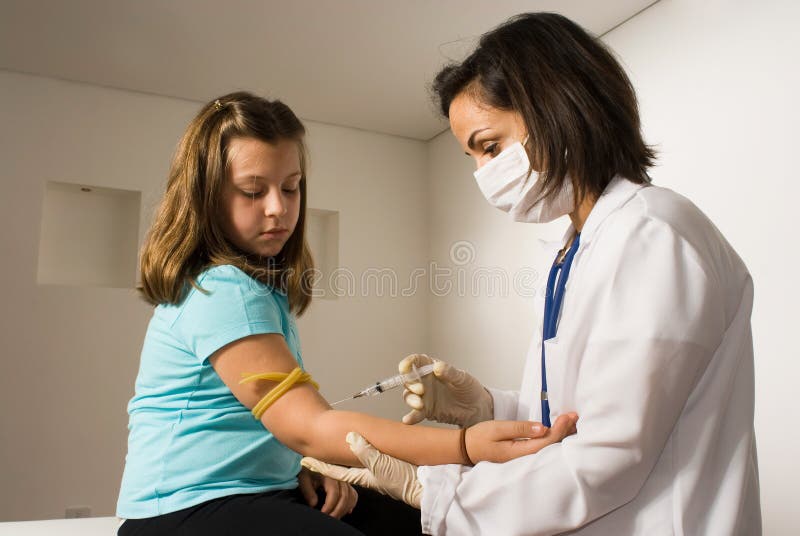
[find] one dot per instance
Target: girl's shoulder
(228, 275)
(222, 285)
(225, 305)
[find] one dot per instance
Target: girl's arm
(303, 421)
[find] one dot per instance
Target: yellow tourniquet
(287, 381)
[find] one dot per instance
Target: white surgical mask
(506, 185)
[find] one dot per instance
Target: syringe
(390, 383)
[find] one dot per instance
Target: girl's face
(481, 130)
(261, 195)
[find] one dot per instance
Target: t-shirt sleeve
(233, 306)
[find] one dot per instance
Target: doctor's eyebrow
(471, 140)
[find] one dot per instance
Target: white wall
(718, 83)
(70, 353)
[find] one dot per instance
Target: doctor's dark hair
(186, 235)
(578, 105)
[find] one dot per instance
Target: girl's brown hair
(578, 105)
(186, 236)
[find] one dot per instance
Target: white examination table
(90, 526)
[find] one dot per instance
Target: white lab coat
(654, 352)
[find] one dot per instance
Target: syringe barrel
(400, 379)
(372, 390)
(396, 381)
(391, 383)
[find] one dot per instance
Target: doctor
(645, 327)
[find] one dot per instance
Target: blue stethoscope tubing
(552, 307)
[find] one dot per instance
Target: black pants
(280, 513)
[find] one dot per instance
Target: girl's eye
(252, 194)
(291, 190)
(491, 148)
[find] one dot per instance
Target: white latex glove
(449, 395)
(381, 472)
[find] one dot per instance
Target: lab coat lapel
(616, 194)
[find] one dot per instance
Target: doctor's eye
(491, 149)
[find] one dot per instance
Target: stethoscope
(552, 306)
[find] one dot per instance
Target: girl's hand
(501, 441)
(340, 497)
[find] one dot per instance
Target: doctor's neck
(581, 213)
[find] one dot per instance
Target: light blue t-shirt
(190, 439)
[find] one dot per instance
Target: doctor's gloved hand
(449, 395)
(381, 472)
(502, 441)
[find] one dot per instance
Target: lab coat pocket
(555, 363)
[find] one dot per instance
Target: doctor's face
(483, 131)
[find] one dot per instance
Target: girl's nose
(275, 204)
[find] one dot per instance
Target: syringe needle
(357, 395)
(342, 400)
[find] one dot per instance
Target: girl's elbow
(308, 446)
(299, 436)
(301, 447)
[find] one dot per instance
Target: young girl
(227, 266)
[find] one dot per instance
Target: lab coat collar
(616, 194)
